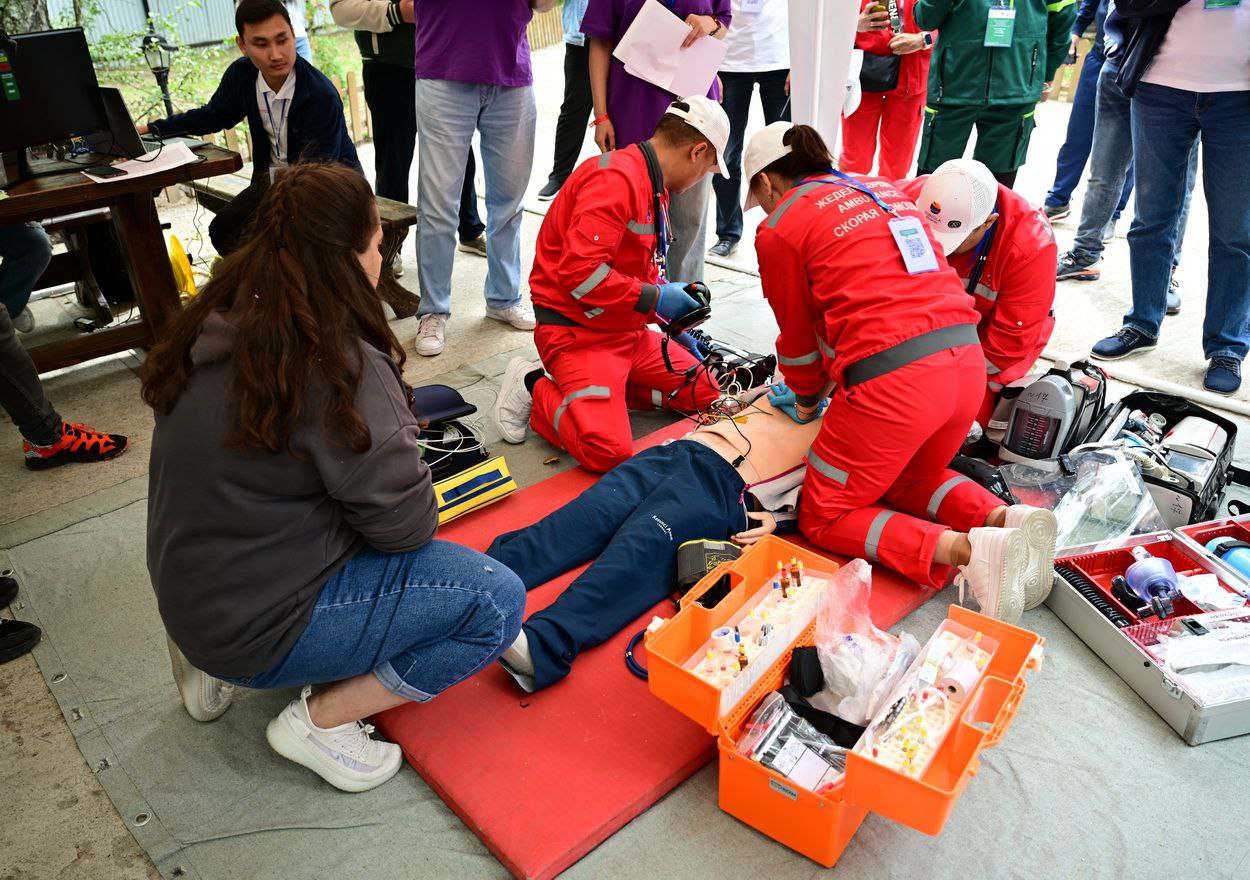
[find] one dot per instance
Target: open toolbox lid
(922, 803)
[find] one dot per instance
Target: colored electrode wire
(1089, 590)
(632, 664)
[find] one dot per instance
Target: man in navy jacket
(294, 112)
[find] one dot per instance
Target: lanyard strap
(277, 130)
(859, 187)
(982, 255)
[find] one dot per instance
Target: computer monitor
(48, 89)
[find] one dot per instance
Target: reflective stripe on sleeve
(824, 348)
(601, 272)
(640, 228)
(605, 159)
(801, 361)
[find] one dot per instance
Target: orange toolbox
(820, 825)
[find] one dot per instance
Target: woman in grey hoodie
(291, 519)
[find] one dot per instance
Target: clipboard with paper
(651, 50)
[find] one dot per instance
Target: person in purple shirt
(473, 73)
(627, 108)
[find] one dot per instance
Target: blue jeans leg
(303, 49)
(420, 621)
(1074, 153)
(24, 253)
(1165, 129)
(1224, 118)
(506, 124)
(1110, 163)
(736, 102)
(696, 497)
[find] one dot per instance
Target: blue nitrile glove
(694, 346)
(782, 398)
(673, 302)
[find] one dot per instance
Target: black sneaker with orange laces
(78, 442)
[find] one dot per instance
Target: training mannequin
(634, 519)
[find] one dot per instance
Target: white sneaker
(1040, 529)
(995, 574)
(344, 756)
(519, 316)
(518, 663)
(205, 698)
(514, 403)
(397, 266)
(24, 322)
(430, 332)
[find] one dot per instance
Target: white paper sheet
(170, 156)
(651, 50)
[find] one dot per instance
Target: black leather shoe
(549, 190)
(8, 587)
(723, 247)
(16, 638)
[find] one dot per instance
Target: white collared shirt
(274, 108)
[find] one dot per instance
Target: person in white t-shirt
(757, 53)
(1187, 69)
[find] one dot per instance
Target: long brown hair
(301, 303)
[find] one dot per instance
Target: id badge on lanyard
(1220, 4)
(909, 234)
(1000, 26)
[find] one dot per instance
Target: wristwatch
(928, 40)
(715, 30)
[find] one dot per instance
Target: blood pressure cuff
(475, 487)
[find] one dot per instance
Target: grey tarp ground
(1087, 783)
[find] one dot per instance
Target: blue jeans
(24, 254)
(1167, 124)
(447, 115)
(1110, 164)
(1070, 164)
(630, 523)
(736, 101)
(421, 621)
(303, 49)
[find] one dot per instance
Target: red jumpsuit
(594, 287)
(897, 114)
(877, 475)
(1015, 296)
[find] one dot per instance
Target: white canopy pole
(822, 34)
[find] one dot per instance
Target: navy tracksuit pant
(633, 520)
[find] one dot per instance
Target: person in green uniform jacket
(993, 61)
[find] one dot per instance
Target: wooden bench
(397, 217)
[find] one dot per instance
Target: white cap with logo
(764, 148)
(708, 118)
(956, 199)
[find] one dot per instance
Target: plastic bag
(1099, 505)
(782, 741)
(861, 664)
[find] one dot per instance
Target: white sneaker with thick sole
(397, 266)
(430, 332)
(24, 322)
(995, 574)
(518, 663)
(205, 698)
(514, 403)
(519, 316)
(1040, 529)
(344, 756)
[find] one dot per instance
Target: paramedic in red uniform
(598, 281)
(1001, 246)
(894, 338)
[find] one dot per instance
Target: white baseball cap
(764, 148)
(706, 117)
(956, 199)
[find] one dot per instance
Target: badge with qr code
(913, 243)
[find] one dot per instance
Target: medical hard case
(1198, 535)
(1129, 643)
(821, 826)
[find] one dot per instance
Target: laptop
(121, 138)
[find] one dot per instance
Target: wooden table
(143, 246)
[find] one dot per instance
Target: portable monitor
(48, 89)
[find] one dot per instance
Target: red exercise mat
(544, 778)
